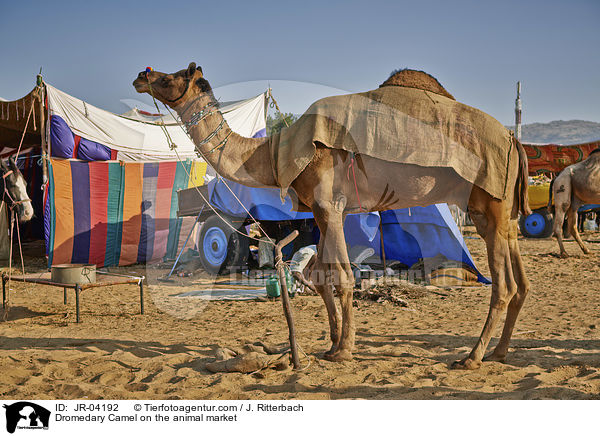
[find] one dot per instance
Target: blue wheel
(220, 247)
(536, 225)
(214, 246)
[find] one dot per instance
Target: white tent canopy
(136, 136)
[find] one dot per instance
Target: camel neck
(243, 160)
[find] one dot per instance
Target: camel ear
(191, 69)
(3, 165)
(12, 162)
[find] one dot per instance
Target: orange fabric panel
(132, 212)
(63, 195)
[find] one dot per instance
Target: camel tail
(522, 185)
(550, 195)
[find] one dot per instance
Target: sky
(305, 50)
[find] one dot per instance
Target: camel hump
(416, 79)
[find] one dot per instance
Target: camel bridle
(195, 119)
(187, 87)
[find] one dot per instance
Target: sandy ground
(115, 353)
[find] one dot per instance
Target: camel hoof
(466, 363)
(338, 356)
(332, 350)
(494, 358)
(564, 255)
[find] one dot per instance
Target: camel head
(173, 89)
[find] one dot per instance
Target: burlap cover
(399, 124)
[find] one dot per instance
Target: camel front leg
(333, 259)
(516, 303)
(503, 288)
(325, 290)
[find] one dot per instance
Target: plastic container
(590, 225)
(273, 287)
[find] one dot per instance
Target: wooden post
(285, 298)
(43, 132)
(4, 232)
(77, 289)
(65, 295)
(4, 290)
(382, 245)
(518, 108)
(142, 296)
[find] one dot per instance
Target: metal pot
(74, 273)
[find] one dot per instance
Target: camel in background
(324, 188)
(576, 185)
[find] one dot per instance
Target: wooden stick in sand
(285, 299)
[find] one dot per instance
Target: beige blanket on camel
(399, 124)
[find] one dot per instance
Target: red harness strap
(354, 177)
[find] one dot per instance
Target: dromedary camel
(324, 187)
(576, 185)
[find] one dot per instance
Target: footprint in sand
(558, 375)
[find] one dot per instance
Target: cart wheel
(220, 247)
(537, 225)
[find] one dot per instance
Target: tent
(110, 197)
(553, 158)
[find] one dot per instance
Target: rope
(274, 103)
(215, 211)
(25, 129)
(12, 223)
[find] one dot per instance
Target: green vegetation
(278, 122)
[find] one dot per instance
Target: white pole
(518, 112)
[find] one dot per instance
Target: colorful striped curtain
(113, 213)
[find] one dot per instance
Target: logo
(26, 415)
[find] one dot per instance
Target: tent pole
(43, 130)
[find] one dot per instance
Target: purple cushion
(90, 150)
(61, 137)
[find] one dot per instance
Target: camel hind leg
(572, 221)
(516, 303)
(493, 225)
(562, 204)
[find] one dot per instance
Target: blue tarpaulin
(409, 234)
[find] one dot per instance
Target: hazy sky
(476, 49)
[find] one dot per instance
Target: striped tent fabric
(111, 199)
(113, 213)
